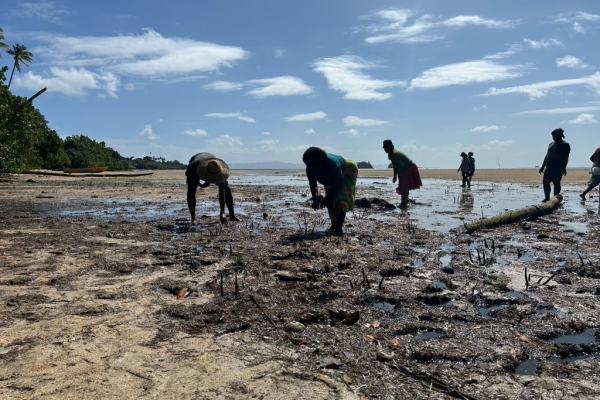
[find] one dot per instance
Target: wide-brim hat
(213, 170)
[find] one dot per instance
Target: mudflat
(107, 291)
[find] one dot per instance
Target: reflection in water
(467, 201)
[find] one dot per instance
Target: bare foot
(223, 218)
(545, 200)
(582, 197)
(193, 221)
(234, 218)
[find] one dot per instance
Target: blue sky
(263, 80)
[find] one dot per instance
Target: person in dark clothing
(555, 163)
(471, 167)
(210, 169)
(464, 168)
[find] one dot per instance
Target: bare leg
(191, 201)
(222, 202)
(557, 187)
(229, 201)
(586, 191)
(546, 185)
(404, 201)
(339, 223)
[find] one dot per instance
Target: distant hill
(266, 165)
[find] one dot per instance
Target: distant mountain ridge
(266, 165)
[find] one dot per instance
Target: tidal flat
(108, 291)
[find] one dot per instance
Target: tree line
(26, 141)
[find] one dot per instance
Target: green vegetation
(364, 164)
(26, 141)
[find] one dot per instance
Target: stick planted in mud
(263, 311)
(222, 293)
(236, 285)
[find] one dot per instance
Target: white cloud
(350, 132)
(344, 74)
(458, 147)
(575, 19)
(310, 131)
(148, 133)
(70, 81)
(541, 89)
(268, 144)
(512, 50)
(195, 132)
(393, 26)
(584, 119)
(483, 107)
(44, 11)
(226, 142)
(148, 54)
(230, 115)
(129, 87)
(307, 117)
(543, 43)
(356, 121)
(279, 52)
(266, 133)
(571, 62)
(486, 128)
(564, 110)
(261, 88)
(465, 73)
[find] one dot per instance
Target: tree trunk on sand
(517, 215)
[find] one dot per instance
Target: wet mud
(107, 290)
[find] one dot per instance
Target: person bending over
(338, 176)
(210, 169)
(595, 178)
(405, 171)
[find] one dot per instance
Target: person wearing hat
(471, 167)
(555, 163)
(210, 169)
(464, 168)
(405, 171)
(338, 176)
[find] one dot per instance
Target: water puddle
(445, 260)
(486, 311)
(428, 335)
(440, 285)
(585, 337)
(527, 367)
(383, 306)
(516, 295)
(577, 227)
(418, 263)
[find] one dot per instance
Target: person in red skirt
(405, 171)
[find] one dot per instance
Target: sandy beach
(108, 291)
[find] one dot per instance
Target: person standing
(210, 169)
(471, 167)
(555, 163)
(595, 178)
(338, 175)
(464, 168)
(405, 171)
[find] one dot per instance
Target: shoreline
(526, 176)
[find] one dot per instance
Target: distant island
(364, 165)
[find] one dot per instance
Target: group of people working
(338, 176)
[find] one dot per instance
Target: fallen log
(97, 175)
(509, 217)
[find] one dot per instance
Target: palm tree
(2, 44)
(20, 55)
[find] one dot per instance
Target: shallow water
(527, 367)
(585, 337)
(440, 205)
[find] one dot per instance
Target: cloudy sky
(263, 80)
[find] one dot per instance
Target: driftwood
(97, 175)
(517, 215)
